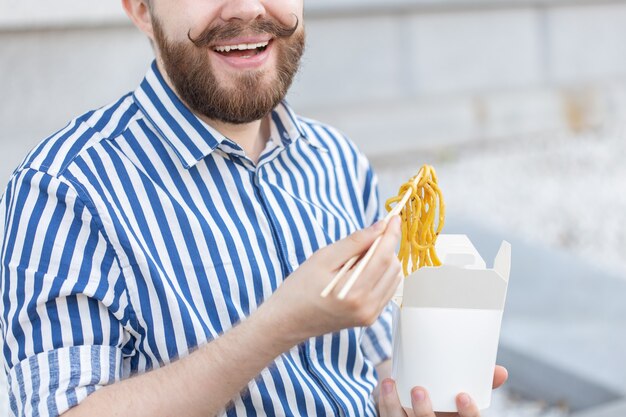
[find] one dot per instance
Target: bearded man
(165, 255)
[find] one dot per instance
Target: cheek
(177, 19)
(284, 10)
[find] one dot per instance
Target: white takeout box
(446, 332)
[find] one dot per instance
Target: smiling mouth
(244, 50)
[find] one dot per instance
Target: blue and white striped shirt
(138, 232)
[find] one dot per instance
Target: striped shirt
(138, 233)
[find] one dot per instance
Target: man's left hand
(389, 402)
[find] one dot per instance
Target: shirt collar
(191, 138)
(286, 126)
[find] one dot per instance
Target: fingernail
(418, 395)
(464, 400)
(387, 387)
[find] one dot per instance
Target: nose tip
(245, 10)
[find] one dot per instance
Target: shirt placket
(289, 264)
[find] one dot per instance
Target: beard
(253, 94)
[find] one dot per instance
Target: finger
(500, 376)
(466, 406)
(340, 252)
(394, 270)
(390, 403)
(382, 257)
(420, 400)
(386, 287)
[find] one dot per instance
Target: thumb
(337, 254)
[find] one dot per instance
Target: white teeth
(241, 47)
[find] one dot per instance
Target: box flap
(462, 281)
(452, 287)
(502, 264)
(457, 250)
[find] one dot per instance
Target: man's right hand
(300, 312)
(294, 313)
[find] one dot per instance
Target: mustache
(217, 33)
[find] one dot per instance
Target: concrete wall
(427, 73)
(446, 77)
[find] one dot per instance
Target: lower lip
(255, 61)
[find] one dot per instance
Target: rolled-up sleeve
(64, 305)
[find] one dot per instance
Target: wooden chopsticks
(368, 255)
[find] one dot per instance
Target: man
(164, 255)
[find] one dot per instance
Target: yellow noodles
(419, 233)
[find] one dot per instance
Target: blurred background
(519, 104)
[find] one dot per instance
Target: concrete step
(614, 409)
(533, 378)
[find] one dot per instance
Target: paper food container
(446, 332)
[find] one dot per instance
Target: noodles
(419, 233)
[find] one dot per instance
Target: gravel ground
(559, 191)
(505, 404)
